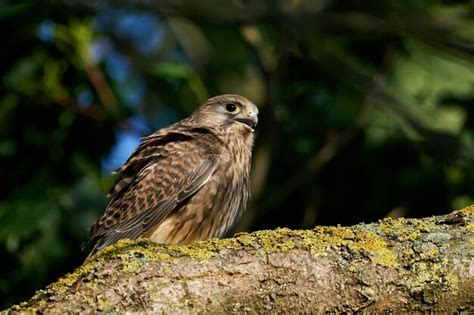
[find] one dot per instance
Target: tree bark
(390, 266)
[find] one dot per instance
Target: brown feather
(186, 182)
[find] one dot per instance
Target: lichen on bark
(393, 265)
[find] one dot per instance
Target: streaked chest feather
(214, 209)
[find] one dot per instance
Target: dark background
(366, 110)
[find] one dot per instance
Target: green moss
(425, 274)
(322, 238)
(244, 239)
(452, 281)
(68, 280)
(132, 266)
(470, 227)
(360, 241)
(431, 253)
(182, 305)
(105, 306)
(132, 253)
(405, 229)
(197, 250)
(371, 241)
(422, 224)
(376, 248)
(275, 241)
(141, 248)
(468, 211)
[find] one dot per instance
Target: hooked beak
(251, 120)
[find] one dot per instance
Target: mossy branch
(389, 266)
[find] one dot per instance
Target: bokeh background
(366, 110)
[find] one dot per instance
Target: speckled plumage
(185, 182)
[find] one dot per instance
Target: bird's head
(227, 109)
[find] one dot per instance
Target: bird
(185, 182)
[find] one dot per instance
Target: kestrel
(185, 182)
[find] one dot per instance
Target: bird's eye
(231, 108)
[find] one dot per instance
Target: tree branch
(389, 266)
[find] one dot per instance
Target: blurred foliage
(366, 110)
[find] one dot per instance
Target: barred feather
(185, 182)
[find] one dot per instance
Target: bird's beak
(250, 120)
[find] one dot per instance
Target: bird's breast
(214, 209)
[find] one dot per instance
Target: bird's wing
(171, 174)
(149, 150)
